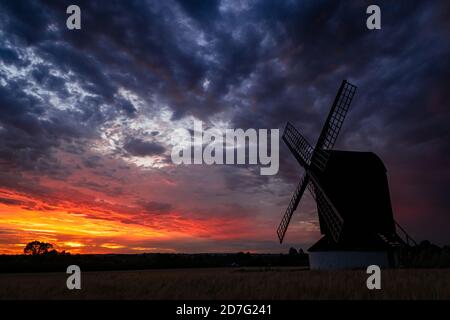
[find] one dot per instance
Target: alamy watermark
(374, 280)
(74, 280)
(227, 146)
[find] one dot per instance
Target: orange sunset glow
(99, 230)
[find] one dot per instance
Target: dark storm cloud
(155, 207)
(11, 201)
(203, 11)
(28, 134)
(265, 62)
(9, 56)
(126, 106)
(140, 148)
(92, 162)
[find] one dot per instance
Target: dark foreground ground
(229, 283)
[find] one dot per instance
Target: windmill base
(335, 260)
(359, 253)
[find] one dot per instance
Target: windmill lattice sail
(326, 208)
(333, 124)
(298, 145)
(281, 231)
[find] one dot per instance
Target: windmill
(352, 196)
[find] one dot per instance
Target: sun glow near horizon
(90, 230)
(74, 232)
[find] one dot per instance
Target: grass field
(230, 283)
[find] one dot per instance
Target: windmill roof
(357, 158)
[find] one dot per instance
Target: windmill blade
(281, 231)
(298, 145)
(333, 124)
(328, 211)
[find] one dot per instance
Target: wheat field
(230, 283)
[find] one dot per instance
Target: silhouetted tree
(36, 248)
(52, 252)
(292, 251)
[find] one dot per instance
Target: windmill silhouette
(352, 196)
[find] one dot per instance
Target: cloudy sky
(86, 117)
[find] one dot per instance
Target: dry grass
(228, 283)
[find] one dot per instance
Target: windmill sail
(281, 231)
(298, 145)
(327, 210)
(333, 124)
